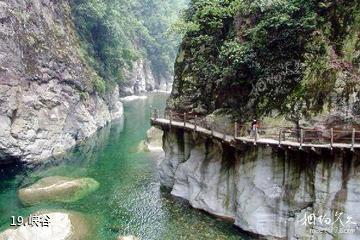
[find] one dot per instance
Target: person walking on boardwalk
(254, 128)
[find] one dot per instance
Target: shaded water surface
(129, 200)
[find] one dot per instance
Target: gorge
(60, 82)
(79, 80)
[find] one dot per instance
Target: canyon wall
(48, 100)
(270, 192)
(287, 64)
(142, 79)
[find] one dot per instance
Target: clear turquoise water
(129, 200)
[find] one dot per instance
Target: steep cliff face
(142, 79)
(265, 191)
(48, 100)
(127, 42)
(267, 58)
(289, 64)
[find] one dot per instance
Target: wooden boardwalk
(235, 140)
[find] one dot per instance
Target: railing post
(301, 138)
(256, 135)
(195, 122)
(155, 114)
(353, 139)
(170, 118)
(332, 138)
(235, 130)
(280, 133)
(224, 136)
(184, 119)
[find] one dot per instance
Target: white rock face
(265, 191)
(43, 120)
(131, 237)
(153, 140)
(142, 79)
(47, 102)
(62, 226)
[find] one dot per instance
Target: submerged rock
(62, 226)
(57, 189)
(131, 237)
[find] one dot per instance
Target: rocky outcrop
(61, 226)
(47, 98)
(153, 140)
(57, 189)
(266, 191)
(142, 79)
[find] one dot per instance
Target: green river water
(129, 200)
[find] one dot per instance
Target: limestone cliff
(296, 59)
(142, 79)
(266, 191)
(289, 64)
(128, 42)
(47, 96)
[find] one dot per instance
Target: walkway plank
(159, 122)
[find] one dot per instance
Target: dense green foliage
(259, 57)
(115, 33)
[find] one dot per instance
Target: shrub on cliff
(254, 58)
(115, 33)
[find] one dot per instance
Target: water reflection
(129, 200)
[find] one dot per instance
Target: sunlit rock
(154, 139)
(130, 237)
(142, 147)
(61, 226)
(57, 189)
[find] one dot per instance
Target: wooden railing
(283, 136)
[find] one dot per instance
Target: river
(129, 200)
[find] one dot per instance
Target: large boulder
(62, 226)
(154, 139)
(57, 189)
